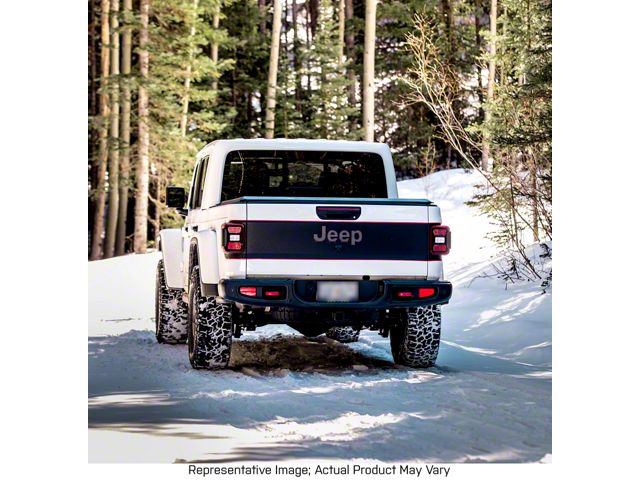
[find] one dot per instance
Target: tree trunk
(262, 8)
(262, 13)
(98, 223)
(273, 69)
(493, 18)
(501, 77)
(314, 9)
(340, 32)
(532, 157)
(93, 112)
(368, 71)
(448, 14)
(514, 211)
(114, 149)
(187, 78)
(125, 129)
(142, 169)
(93, 93)
(350, 44)
(214, 46)
(285, 86)
(484, 165)
(535, 198)
(296, 55)
(449, 18)
(478, 28)
(156, 186)
(309, 39)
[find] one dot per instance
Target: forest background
(446, 83)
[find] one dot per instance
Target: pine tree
(142, 167)
(98, 223)
(518, 123)
(296, 54)
(114, 147)
(368, 74)
(208, 116)
(203, 75)
(329, 100)
(341, 20)
(520, 115)
(215, 43)
(493, 19)
(273, 70)
(93, 61)
(352, 64)
(193, 24)
(240, 88)
(184, 111)
(125, 127)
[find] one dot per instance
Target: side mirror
(176, 198)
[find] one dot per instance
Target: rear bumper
(374, 295)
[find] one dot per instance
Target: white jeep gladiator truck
(309, 233)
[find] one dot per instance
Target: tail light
(439, 240)
(411, 293)
(270, 293)
(274, 292)
(426, 292)
(404, 294)
(233, 237)
(249, 291)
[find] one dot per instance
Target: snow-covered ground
(285, 397)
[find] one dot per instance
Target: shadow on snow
(472, 407)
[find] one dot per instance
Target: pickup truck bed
(339, 238)
(292, 244)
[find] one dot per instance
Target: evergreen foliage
(517, 125)
(194, 99)
(329, 104)
(520, 125)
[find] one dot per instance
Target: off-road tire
(210, 328)
(172, 314)
(344, 334)
(415, 341)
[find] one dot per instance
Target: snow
(287, 397)
(485, 316)
(450, 189)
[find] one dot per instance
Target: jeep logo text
(344, 236)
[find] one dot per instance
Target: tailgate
(346, 239)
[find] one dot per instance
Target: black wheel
(344, 334)
(210, 328)
(415, 341)
(171, 311)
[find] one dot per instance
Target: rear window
(285, 173)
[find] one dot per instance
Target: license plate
(337, 291)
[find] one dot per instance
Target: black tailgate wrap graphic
(338, 240)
